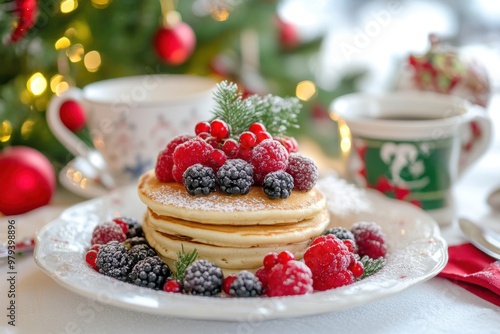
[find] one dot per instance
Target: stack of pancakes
(233, 231)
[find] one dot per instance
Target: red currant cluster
(217, 134)
(213, 145)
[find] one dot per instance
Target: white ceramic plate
(416, 253)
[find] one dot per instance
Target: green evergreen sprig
(183, 261)
(277, 114)
(371, 266)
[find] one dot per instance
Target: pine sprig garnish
(277, 114)
(183, 261)
(371, 265)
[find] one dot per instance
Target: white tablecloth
(435, 306)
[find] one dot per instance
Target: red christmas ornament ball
(28, 180)
(72, 115)
(175, 44)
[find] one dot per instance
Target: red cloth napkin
(474, 271)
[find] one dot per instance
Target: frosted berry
(165, 162)
(351, 245)
(231, 148)
(268, 156)
(340, 232)
(219, 129)
(228, 280)
(201, 127)
(262, 274)
(246, 284)
(123, 225)
(247, 140)
(285, 256)
(235, 177)
(134, 228)
(172, 285)
(199, 180)
(204, 135)
(289, 143)
(151, 273)
(189, 153)
(216, 159)
(278, 184)
(369, 239)
(212, 141)
(90, 258)
(106, 232)
(261, 136)
(329, 258)
(303, 170)
(289, 279)
(257, 128)
(245, 154)
(113, 260)
(204, 278)
(270, 260)
(357, 269)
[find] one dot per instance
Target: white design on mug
(406, 155)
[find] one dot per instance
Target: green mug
(409, 145)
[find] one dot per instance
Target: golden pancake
(240, 236)
(254, 208)
(231, 258)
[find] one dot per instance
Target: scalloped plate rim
(257, 308)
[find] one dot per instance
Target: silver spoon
(484, 239)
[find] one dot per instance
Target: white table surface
(435, 306)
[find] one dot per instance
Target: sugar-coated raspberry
(303, 170)
(262, 274)
(191, 152)
(165, 162)
(289, 279)
(369, 239)
(245, 154)
(216, 159)
(106, 232)
(123, 225)
(351, 245)
(289, 143)
(328, 258)
(268, 156)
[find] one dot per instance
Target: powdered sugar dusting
(180, 198)
(343, 198)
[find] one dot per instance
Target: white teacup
(408, 145)
(131, 119)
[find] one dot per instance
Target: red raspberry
(192, 152)
(216, 159)
(303, 170)
(165, 160)
(104, 233)
(289, 143)
(289, 279)
(262, 274)
(268, 156)
(122, 223)
(369, 239)
(245, 154)
(328, 258)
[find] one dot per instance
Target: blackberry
(235, 177)
(134, 227)
(278, 184)
(203, 277)
(341, 233)
(199, 180)
(113, 260)
(151, 273)
(246, 284)
(131, 242)
(140, 252)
